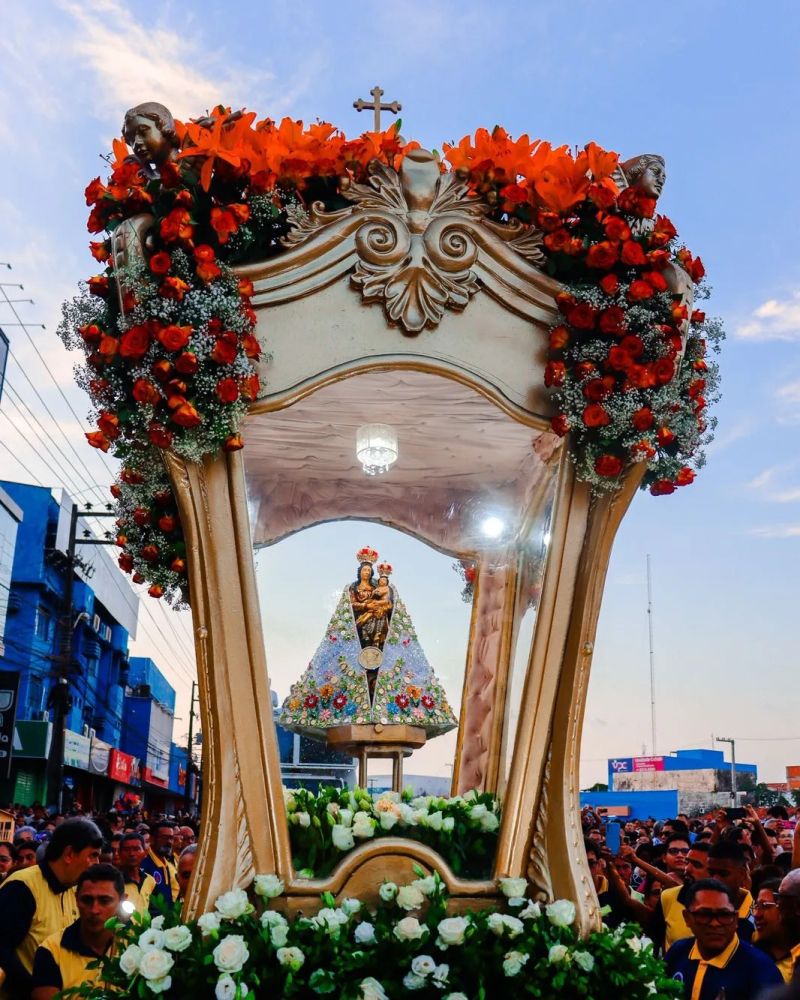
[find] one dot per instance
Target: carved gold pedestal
(378, 741)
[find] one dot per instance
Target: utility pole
(189, 760)
(58, 701)
(732, 741)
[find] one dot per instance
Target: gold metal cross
(377, 107)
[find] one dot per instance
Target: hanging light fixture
(376, 448)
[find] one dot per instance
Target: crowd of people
(719, 895)
(62, 878)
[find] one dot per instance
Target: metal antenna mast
(652, 659)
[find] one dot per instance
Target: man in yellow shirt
(139, 885)
(788, 898)
(39, 901)
(160, 864)
(63, 959)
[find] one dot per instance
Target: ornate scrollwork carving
(416, 236)
(538, 867)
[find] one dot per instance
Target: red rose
(619, 360)
(167, 523)
(186, 363)
(632, 344)
(173, 288)
(233, 443)
(633, 254)
(134, 342)
(224, 223)
(602, 256)
(595, 416)
(560, 424)
(700, 365)
(159, 435)
(174, 338)
(610, 284)
(141, 517)
(108, 346)
(662, 488)
(554, 373)
(249, 386)
(612, 320)
(100, 251)
(251, 346)
(697, 271)
(584, 369)
(640, 290)
(608, 466)
(582, 316)
(208, 272)
(246, 287)
(186, 416)
(559, 338)
(617, 228)
(658, 259)
(125, 562)
(698, 316)
(225, 349)
(178, 565)
(150, 553)
(161, 369)
(160, 262)
(155, 590)
(685, 476)
(642, 448)
(699, 404)
(696, 387)
(98, 440)
(177, 226)
(98, 285)
(656, 280)
(565, 301)
(227, 390)
(640, 376)
(664, 370)
(137, 578)
(663, 231)
(91, 333)
(94, 191)
(596, 389)
(556, 242)
(548, 221)
(664, 436)
(600, 196)
(204, 254)
(169, 174)
(98, 386)
(642, 419)
(144, 391)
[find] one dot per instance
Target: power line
(19, 462)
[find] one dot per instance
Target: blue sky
(712, 86)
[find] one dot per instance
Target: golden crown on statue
(385, 569)
(367, 555)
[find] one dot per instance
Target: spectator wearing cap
(39, 901)
(62, 961)
(715, 961)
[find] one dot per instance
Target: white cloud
(775, 319)
(789, 393)
(777, 531)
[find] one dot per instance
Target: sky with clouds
(708, 85)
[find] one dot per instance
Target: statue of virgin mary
(370, 666)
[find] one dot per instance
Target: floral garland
(468, 572)
(325, 826)
(407, 943)
(169, 337)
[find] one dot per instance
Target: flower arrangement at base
(325, 826)
(407, 944)
(168, 330)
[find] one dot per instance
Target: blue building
(148, 720)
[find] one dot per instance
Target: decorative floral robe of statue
(334, 691)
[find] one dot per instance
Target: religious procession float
(483, 352)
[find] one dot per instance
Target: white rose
(293, 957)
(634, 943)
(160, 985)
(490, 822)
(208, 923)
(234, 904)
(411, 981)
(346, 817)
(558, 953)
(364, 932)
(271, 918)
(130, 958)
(331, 920)
(513, 887)
(531, 912)
(452, 930)
(496, 924)
(435, 821)
(409, 929)
(279, 935)
(387, 891)
(477, 813)
(388, 820)
(513, 962)
(584, 960)
(363, 825)
(177, 938)
(157, 923)
(514, 926)
(440, 974)
(302, 819)
(152, 938)
(371, 989)
(155, 963)
(455, 996)
(231, 953)
(448, 823)
(268, 886)
(407, 814)
(289, 800)
(425, 885)
(350, 906)
(342, 837)
(409, 897)
(423, 965)
(225, 988)
(561, 913)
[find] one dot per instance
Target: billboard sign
(76, 750)
(9, 693)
